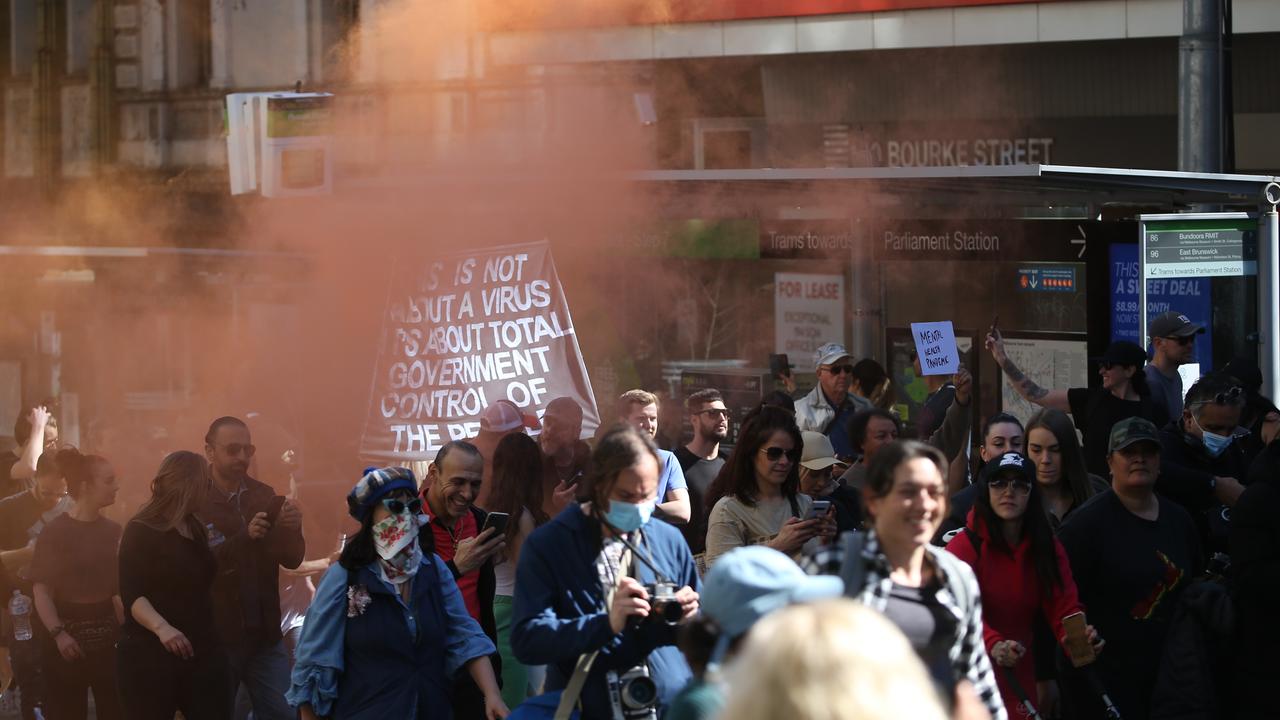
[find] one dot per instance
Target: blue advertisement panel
(1189, 296)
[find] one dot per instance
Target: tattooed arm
(1026, 387)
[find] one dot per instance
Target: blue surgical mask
(628, 517)
(1213, 443)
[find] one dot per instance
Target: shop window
(22, 36)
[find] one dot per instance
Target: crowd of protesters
(1116, 556)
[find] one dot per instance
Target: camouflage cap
(1132, 430)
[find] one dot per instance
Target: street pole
(1269, 289)
(1200, 87)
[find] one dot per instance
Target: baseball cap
(750, 582)
(1123, 352)
(1132, 430)
(828, 354)
(1173, 324)
(564, 408)
(818, 453)
(1010, 463)
(504, 416)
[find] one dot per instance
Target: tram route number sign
(1226, 247)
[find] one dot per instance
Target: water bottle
(20, 611)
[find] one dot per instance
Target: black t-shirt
(1095, 410)
(698, 473)
(176, 575)
(1129, 572)
(927, 625)
(78, 559)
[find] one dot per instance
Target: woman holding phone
(1022, 570)
(517, 502)
(759, 501)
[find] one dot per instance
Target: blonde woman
(830, 660)
(169, 657)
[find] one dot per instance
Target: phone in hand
(779, 365)
(274, 508)
(497, 521)
(818, 509)
(995, 326)
(1078, 647)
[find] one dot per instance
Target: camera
(633, 694)
(663, 604)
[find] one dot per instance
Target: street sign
(1215, 247)
(1190, 246)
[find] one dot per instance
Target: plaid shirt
(968, 653)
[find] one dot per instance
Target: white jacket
(814, 413)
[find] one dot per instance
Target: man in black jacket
(1201, 465)
(450, 490)
(250, 547)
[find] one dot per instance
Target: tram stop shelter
(1052, 250)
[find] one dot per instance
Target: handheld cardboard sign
(936, 345)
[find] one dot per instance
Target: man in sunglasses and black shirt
(250, 546)
(1173, 336)
(829, 407)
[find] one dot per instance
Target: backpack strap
(569, 697)
(853, 571)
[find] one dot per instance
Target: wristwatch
(56, 630)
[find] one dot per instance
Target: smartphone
(1077, 642)
(995, 326)
(274, 508)
(818, 509)
(497, 521)
(779, 365)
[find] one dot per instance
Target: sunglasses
(1000, 483)
(1184, 341)
(714, 412)
(397, 506)
(236, 450)
(838, 369)
(1228, 397)
(776, 453)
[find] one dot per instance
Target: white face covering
(396, 540)
(392, 533)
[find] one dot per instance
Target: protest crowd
(1116, 556)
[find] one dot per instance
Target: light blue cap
(748, 583)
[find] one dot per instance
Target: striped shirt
(958, 588)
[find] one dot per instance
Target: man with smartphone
(459, 536)
(565, 456)
(252, 533)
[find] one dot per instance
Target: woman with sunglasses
(388, 629)
(1123, 394)
(1022, 570)
(756, 497)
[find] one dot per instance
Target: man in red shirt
(450, 490)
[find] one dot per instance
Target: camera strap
(569, 697)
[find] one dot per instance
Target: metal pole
(1269, 290)
(1200, 87)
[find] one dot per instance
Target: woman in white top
(517, 491)
(759, 502)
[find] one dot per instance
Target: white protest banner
(462, 332)
(808, 313)
(936, 345)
